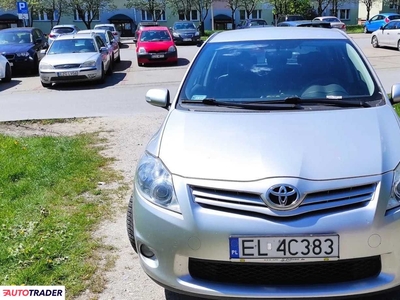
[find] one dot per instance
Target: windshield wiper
(248, 105)
(324, 101)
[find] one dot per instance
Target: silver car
(58, 30)
(271, 176)
(73, 58)
(335, 22)
(387, 36)
(113, 29)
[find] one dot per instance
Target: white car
(60, 30)
(112, 28)
(5, 69)
(388, 35)
(335, 22)
(74, 58)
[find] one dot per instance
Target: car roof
(73, 36)
(87, 31)
(276, 33)
(148, 28)
(67, 25)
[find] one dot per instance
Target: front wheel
(374, 42)
(35, 66)
(102, 78)
(110, 67)
(119, 56)
(7, 77)
(129, 224)
(398, 45)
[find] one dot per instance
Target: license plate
(157, 56)
(71, 73)
(187, 40)
(281, 247)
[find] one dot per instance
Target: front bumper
(186, 39)
(191, 247)
(20, 62)
(167, 57)
(70, 75)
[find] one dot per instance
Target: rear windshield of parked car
(105, 28)
(394, 17)
(63, 30)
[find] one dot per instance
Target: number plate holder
(187, 40)
(284, 248)
(157, 56)
(71, 73)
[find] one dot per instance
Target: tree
(89, 10)
(301, 7)
(202, 6)
(249, 6)
(322, 5)
(368, 6)
(54, 10)
(233, 5)
(154, 7)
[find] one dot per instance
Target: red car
(156, 45)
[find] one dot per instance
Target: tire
(46, 85)
(35, 67)
(119, 56)
(140, 64)
(7, 77)
(111, 67)
(129, 224)
(103, 75)
(398, 45)
(375, 42)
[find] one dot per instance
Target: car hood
(250, 146)
(156, 46)
(76, 58)
(15, 48)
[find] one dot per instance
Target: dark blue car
(21, 46)
(379, 20)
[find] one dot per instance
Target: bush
(355, 28)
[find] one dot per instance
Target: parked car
(388, 35)
(184, 32)
(305, 23)
(77, 57)
(334, 21)
(379, 20)
(22, 46)
(286, 18)
(261, 181)
(142, 25)
(5, 69)
(252, 23)
(109, 40)
(112, 28)
(156, 45)
(60, 30)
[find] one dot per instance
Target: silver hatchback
(275, 173)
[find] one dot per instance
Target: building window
(44, 15)
(93, 15)
(393, 4)
(255, 14)
(159, 14)
(344, 14)
(191, 16)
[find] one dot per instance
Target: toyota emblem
(283, 196)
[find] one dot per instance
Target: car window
(374, 18)
(331, 20)
(111, 28)
(100, 42)
(394, 17)
(391, 25)
(103, 37)
(260, 71)
(63, 30)
(110, 36)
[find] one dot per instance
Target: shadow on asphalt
(181, 62)
(122, 66)
(7, 85)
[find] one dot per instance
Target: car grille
(157, 52)
(66, 78)
(66, 66)
(10, 57)
(252, 202)
(322, 272)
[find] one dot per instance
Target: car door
(105, 56)
(388, 34)
(39, 42)
(113, 43)
(375, 22)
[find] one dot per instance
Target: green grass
(354, 29)
(50, 203)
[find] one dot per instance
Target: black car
(185, 32)
(140, 26)
(21, 46)
(252, 23)
(305, 23)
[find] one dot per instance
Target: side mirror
(103, 50)
(158, 97)
(395, 94)
(43, 51)
(382, 27)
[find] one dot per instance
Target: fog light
(146, 251)
(91, 76)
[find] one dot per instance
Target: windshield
(71, 46)
(63, 30)
(184, 26)
(20, 37)
(155, 36)
(277, 69)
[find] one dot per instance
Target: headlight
(22, 54)
(142, 50)
(154, 181)
(176, 34)
(394, 200)
(197, 33)
(45, 66)
(89, 63)
(171, 49)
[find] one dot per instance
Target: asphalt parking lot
(123, 93)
